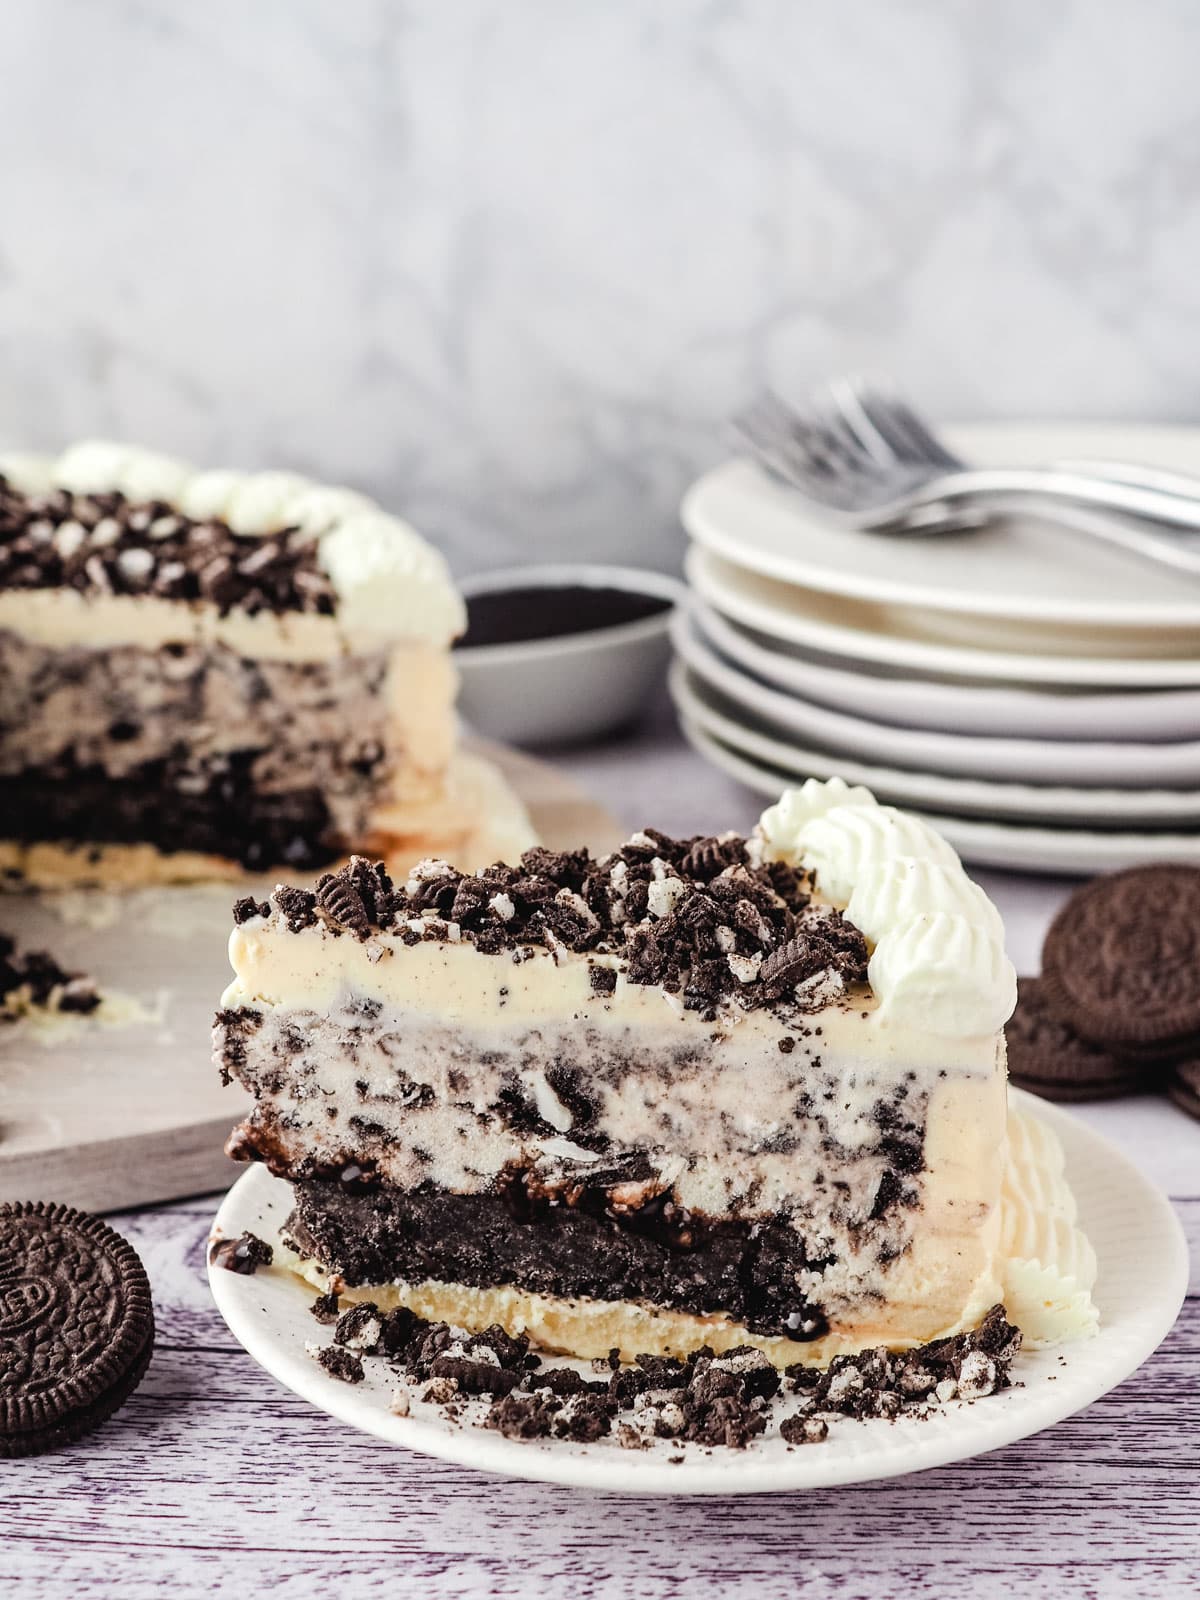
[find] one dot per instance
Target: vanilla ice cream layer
(61, 618)
(316, 968)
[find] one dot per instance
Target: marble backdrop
(510, 263)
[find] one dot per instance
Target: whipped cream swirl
(938, 959)
(1048, 1265)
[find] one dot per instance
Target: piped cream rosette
(1048, 1266)
(937, 941)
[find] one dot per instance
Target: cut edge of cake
(121, 563)
(932, 999)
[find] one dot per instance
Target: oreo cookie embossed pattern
(1117, 1008)
(76, 1325)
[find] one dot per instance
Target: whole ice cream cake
(712, 1091)
(208, 672)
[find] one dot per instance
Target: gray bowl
(575, 686)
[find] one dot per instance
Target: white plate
(1027, 569)
(1143, 1277)
(856, 631)
(1082, 763)
(1002, 712)
(697, 702)
(1008, 846)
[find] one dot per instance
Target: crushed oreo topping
(325, 1308)
(106, 544)
(296, 905)
(878, 1383)
(247, 907)
(338, 1363)
(360, 1328)
(341, 902)
(708, 1399)
(603, 979)
(823, 943)
(700, 917)
(244, 1255)
(34, 978)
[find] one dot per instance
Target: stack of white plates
(1034, 693)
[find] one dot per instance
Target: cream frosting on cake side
(1048, 1265)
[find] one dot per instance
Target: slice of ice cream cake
(704, 1091)
(203, 673)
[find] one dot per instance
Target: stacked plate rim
(1045, 720)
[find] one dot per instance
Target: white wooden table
(214, 1480)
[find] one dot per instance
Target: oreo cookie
(1120, 961)
(1183, 1086)
(1048, 1057)
(76, 1325)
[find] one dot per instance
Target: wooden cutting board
(105, 1116)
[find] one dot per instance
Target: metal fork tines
(866, 458)
(819, 451)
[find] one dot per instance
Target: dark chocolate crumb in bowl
(515, 616)
(556, 655)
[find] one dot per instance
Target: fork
(864, 457)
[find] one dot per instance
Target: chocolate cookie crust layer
(746, 1270)
(228, 817)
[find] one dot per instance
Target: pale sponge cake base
(589, 1329)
